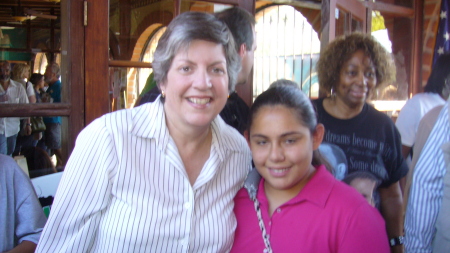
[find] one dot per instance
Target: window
(287, 48)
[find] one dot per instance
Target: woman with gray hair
(159, 177)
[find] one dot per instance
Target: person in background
(38, 161)
(427, 122)
(21, 217)
(52, 134)
(349, 69)
(25, 141)
(21, 73)
(427, 220)
(38, 82)
(150, 91)
(160, 177)
(365, 183)
(435, 93)
(423, 132)
(11, 92)
(290, 202)
(242, 25)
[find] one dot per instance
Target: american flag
(443, 36)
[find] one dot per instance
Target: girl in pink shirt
(290, 202)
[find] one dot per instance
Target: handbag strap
(268, 248)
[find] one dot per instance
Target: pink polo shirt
(326, 216)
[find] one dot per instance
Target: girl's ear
(318, 136)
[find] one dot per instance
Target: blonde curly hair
(19, 70)
(340, 50)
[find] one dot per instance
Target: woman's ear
(161, 86)
(318, 136)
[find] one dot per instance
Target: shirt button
(278, 210)
(187, 205)
(270, 223)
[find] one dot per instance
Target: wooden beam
(72, 39)
(176, 8)
(28, 50)
(390, 9)
(97, 58)
(328, 25)
(228, 2)
(129, 64)
(417, 48)
(39, 109)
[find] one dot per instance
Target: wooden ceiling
(12, 11)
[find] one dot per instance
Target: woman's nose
(362, 79)
(202, 80)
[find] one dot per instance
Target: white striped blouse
(125, 189)
(427, 186)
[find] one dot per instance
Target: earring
(163, 94)
(333, 94)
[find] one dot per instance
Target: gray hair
(55, 68)
(190, 26)
(5, 63)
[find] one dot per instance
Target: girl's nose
(276, 153)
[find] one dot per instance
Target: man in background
(11, 92)
(52, 135)
(242, 25)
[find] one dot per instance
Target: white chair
(45, 187)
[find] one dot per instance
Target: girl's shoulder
(242, 195)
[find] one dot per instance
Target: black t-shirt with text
(370, 141)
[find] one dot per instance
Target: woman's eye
(185, 69)
(370, 74)
(218, 71)
(352, 73)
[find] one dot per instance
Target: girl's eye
(290, 141)
(261, 143)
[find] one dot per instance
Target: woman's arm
(391, 209)
(30, 93)
(84, 191)
(24, 247)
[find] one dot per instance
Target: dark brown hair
(293, 98)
